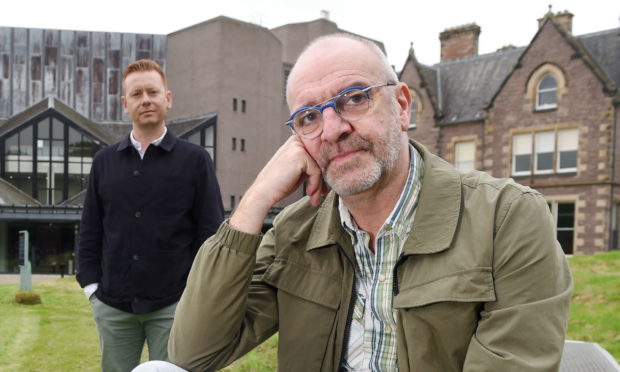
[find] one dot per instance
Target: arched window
(416, 108)
(48, 159)
(414, 112)
(547, 93)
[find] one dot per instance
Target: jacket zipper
(347, 329)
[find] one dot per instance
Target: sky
(396, 23)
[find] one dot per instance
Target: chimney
(563, 19)
(459, 42)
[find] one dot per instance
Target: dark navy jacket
(144, 220)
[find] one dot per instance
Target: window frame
(534, 137)
(458, 162)
(539, 91)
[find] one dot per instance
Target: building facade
(545, 114)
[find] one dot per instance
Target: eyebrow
(355, 84)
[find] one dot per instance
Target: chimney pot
(459, 42)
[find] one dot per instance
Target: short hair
(388, 70)
(144, 65)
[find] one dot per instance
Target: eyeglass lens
(351, 106)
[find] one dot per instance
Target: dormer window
(414, 113)
(546, 95)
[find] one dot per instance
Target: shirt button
(388, 227)
(136, 257)
(382, 278)
(388, 330)
(138, 214)
(136, 173)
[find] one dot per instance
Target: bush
(27, 298)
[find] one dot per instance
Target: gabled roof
(181, 126)
(428, 79)
(466, 86)
(11, 195)
(53, 104)
(605, 52)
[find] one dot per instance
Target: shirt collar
(138, 146)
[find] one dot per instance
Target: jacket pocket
(472, 285)
(308, 305)
(304, 282)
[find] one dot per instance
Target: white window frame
(465, 155)
(521, 149)
(414, 109)
(567, 140)
(539, 91)
(541, 146)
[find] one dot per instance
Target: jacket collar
(167, 143)
(435, 219)
(439, 206)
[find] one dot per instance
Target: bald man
(404, 265)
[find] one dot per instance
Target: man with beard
(405, 265)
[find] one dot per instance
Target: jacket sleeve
(226, 310)
(524, 329)
(208, 211)
(91, 232)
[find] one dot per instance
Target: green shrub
(27, 298)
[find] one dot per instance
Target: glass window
(204, 136)
(521, 154)
(43, 173)
(564, 216)
(465, 155)
(414, 112)
(545, 143)
(568, 144)
(546, 96)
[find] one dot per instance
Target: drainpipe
(612, 209)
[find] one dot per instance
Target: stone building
(545, 114)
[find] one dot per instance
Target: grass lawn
(59, 335)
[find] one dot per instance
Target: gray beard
(384, 153)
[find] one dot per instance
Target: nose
(146, 100)
(334, 126)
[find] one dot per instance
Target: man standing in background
(152, 200)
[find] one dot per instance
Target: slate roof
(463, 88)
(604, 47)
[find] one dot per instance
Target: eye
(352, 100)
(308, 117)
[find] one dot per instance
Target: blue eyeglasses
(351, 104)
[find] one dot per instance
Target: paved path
(36, 278)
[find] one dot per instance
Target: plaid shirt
(372, 341)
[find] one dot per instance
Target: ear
(124, 103)
(169, 99)
(403, 99)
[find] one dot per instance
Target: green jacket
(482, 284)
